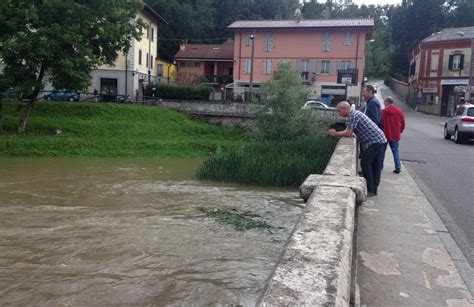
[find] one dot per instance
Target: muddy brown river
(122, 231)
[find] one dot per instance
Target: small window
(152, 33)
(305, 65)
(250, 39)
(434, 61)
(139, 57)
(326, 41)
(346, 64)
(267, 67)
(151, 61)
(268, 44)
(325, 67)
(197, 64)
(456, 62)
(470, 112)
(147, 60)
(161, 69)
(347, 38)
(247, 66)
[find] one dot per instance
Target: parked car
(461, 124)
(314, 104)
(62, 95)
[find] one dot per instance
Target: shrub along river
(141, 231)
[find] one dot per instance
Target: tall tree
(61, 41)
(426, 16)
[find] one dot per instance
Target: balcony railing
(216, 79)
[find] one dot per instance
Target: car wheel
(71, 99)
(447, 136)
(48, 98)
(457, 137)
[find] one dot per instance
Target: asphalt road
(443, 169)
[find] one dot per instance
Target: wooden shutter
(461, 62)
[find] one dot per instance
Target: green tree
(461, 13)
(281, 118)
(61, 41)
(426, 16)
(4, 85)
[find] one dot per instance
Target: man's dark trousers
(370, 162)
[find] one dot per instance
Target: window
(249, 40)
(147, 60)
(347, 38)
(139, 57)
(189, 64)
(304, 65)
(346, 64)
(326, 41)
(108, 86)
(161, 69)
(151, 61)
(247, 66)
(267, 44)
(325, 67)
(412, 68)
(456, 61)
(152, 33)
(267, 67)
(434, 61)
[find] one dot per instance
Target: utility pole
(252, 38)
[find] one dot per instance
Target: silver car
(461, 125)
(314, 104)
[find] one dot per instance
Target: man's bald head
(344, 108)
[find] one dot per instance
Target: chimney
(182, 46)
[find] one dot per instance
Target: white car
(461, 124)
(314, 104)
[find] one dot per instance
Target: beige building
(132, 71)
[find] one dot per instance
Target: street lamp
(252, 38)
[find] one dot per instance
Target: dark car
(62, 95)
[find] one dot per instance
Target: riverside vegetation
(288, 144)
(110, 130)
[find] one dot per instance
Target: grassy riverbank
(111, 130)
(271, 163)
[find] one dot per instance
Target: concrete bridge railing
(231, 113)
(316, 267)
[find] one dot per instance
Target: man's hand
(332, 132)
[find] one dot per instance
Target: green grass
(110, 130)
(275, 164)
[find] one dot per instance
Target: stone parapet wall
(315, 269)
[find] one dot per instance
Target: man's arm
(346, 133)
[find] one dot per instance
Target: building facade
(441, 71)
(205, 64)
(328, 54)
(132, 71)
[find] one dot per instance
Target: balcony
(216, 79)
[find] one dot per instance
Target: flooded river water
(121, 231)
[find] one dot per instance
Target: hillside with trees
(398, 29)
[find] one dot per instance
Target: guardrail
(316, 266)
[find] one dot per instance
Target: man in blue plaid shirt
(371, 139)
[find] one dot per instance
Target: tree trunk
(25, 115)
(1, 114)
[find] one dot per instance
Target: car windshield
(470, 112)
